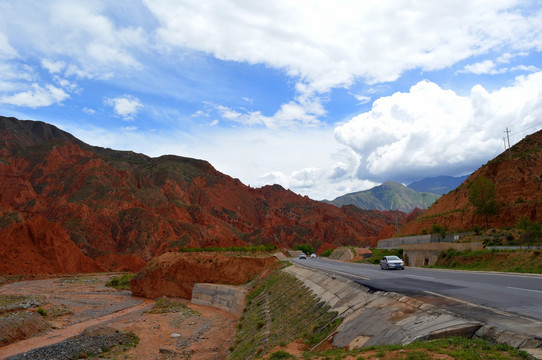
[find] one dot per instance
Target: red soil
(174, 274)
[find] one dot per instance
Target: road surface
(508, 300)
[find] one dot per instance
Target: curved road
(508, 300)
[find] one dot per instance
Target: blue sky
(322, 97)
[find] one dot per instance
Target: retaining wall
(226, 297)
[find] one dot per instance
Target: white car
(392, 262)
(313, 256)
(303, 256)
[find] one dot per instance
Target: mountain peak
(390, 195)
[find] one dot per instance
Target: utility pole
(509, 150)
(423, 199)
(396, 219)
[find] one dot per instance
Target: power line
(530, 127)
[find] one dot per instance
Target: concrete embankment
(379, 318)
(224, 297)
(373, 318)
(390, 318)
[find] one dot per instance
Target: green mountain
(388, 196)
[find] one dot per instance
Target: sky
(322, 97)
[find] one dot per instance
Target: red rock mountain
(120, 207)
(38, 246)
(518, 183)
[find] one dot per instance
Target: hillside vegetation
(388, 196)
(521, 261)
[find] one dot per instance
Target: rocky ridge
(518, 183)
(121, 209)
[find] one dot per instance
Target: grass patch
(279, 310)
(59, 310)
(247, 249)
(120, 282)
(168, 305)
(281, 354)
(20, 302)
(453, 347)
(522, 261)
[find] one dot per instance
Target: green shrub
(122, 282)
(306, 248)
(42, 312)
(281, 355)
(326, 253)
(439, 229)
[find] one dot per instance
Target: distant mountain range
(438, 185)
(388, 196)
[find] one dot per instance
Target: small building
(427, 254)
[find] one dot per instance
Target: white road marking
(420, 277)
(469, 303)
(334, 271)
(538, 291)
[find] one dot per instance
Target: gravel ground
(80, 347)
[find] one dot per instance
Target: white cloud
(53, 67)
(89, 111)
(6, 50)
(362, 99)
(433, 131)
(80, 38)
(126, 107)
(484, 67)
(37, 96)
(327, 44)
(530, 68)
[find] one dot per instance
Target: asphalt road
(512, 301)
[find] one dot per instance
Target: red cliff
(518, 183)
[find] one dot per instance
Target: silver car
(392, 262)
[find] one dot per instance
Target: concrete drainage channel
(376, 318)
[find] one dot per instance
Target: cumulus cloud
(37, 96)
(435, 131)
(328, 44)
(126, 107)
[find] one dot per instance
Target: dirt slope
(174, 274)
